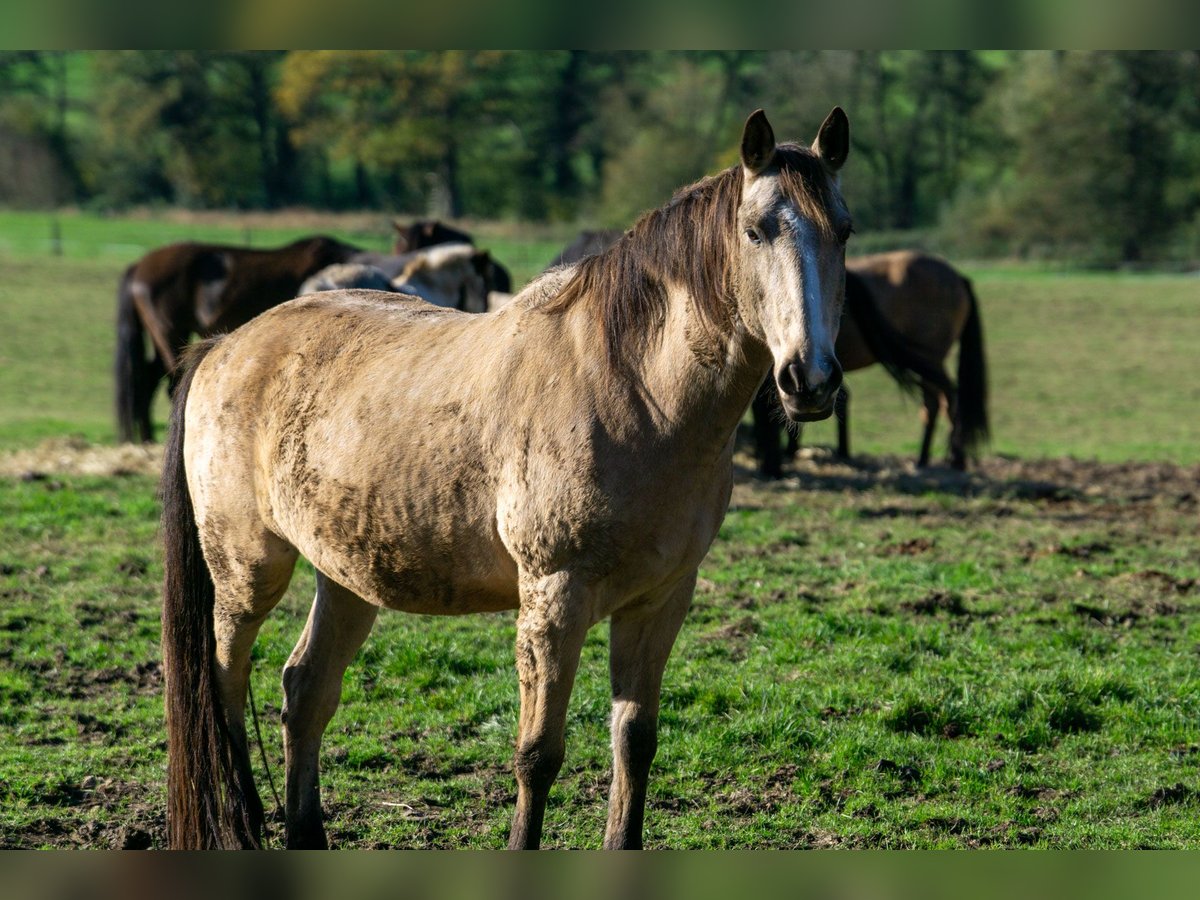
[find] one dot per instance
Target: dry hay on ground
(75, 456)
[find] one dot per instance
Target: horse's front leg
(641, 642)
(551, 626)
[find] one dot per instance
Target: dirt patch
(134, 818)
(75, 456)
(912, 547)
(1050, 481)
(937, 602)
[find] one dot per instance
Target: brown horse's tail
(972, 378)
(895, 353)
(206, 806)
(129, 364)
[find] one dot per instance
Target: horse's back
(921, 295)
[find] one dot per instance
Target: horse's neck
(692, 385)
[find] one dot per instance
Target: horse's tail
(894, 351)
(206, 807)
(129, 364)
(972, 378)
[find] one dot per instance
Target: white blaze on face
(814, 304)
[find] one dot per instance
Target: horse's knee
(537, 763)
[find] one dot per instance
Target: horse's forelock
(807, 185)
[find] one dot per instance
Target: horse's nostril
(824, 378)
(791, 379)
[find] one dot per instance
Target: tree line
(1087, 155)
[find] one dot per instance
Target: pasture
(876, 657)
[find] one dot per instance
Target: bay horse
(593, 420)
(932, 306)
(190, 288)
(906, 310)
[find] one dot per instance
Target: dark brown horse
(184, 289)
(426, 233)
(906, 310)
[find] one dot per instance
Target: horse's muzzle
(807, 391)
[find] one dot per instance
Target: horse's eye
(753, 236)
(844, 234)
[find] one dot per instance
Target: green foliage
(1089, 156)
(1096, 159)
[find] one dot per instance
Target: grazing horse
(343, 276)
(429, 233)
(449, 275)
(933, 307)
(905, 310)
(593, 422)
(454, 276)
(183, 289)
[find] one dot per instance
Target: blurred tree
(37, 159)
(911, 125)
(192, 127)
(414, 110)
(673, 119)
(1089, 155)
(1097, 172)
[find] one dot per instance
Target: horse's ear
(832, 145)
(758, 143)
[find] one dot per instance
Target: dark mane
(687, 243)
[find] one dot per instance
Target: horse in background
(906, 310)
(191, 288)
(592, 422)
(426, 233)
(452, 276)
(429, 233)
(588, 243)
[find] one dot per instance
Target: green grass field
(876, 657)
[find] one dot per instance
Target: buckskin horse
(906, 310)
(184, 289)
(593, 421)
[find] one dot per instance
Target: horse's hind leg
(551, 628)
(958, 450)
(245, 594)
(144, 397)
(338, 623)
(641, 642)
(931, 401)
(841, 409)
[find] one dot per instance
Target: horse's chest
(631, 533)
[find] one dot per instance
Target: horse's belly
(402, 577)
